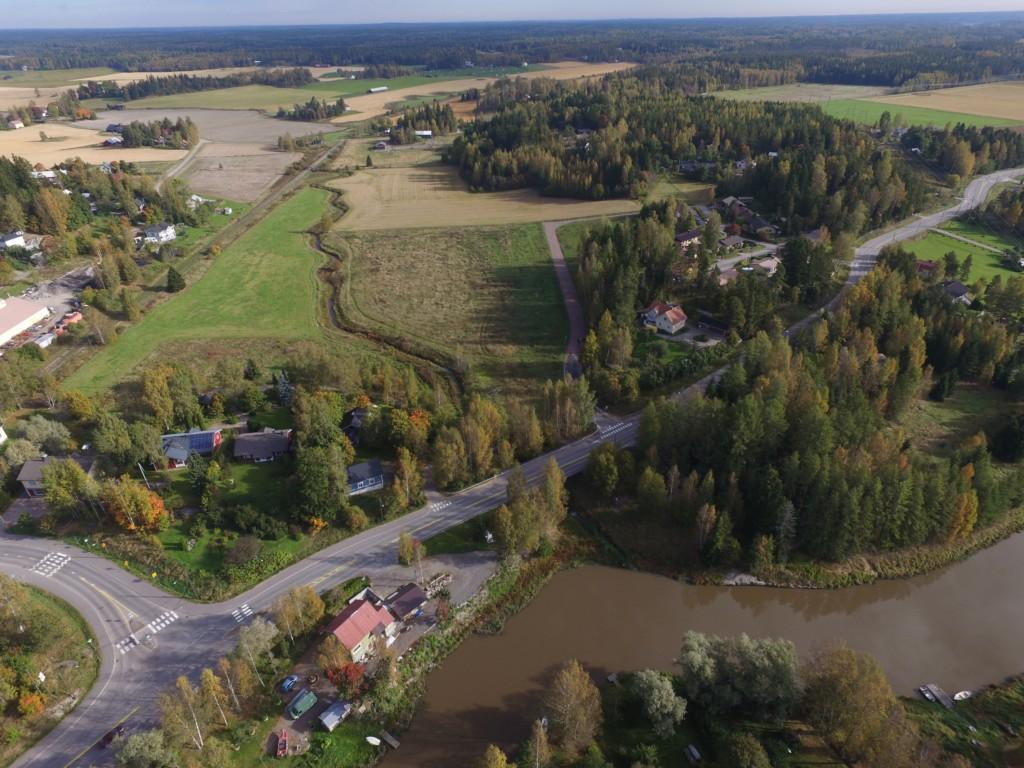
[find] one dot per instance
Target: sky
(16, 14)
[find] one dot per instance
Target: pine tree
(175, 282)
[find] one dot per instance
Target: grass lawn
(677, 187)
(868, 112)
(464, 537)
(262, 286)
(51, 78)
(939, 428)
(984, 263)
(71, 660)
(982, 234)
(486, 295)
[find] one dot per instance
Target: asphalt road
(147, 638)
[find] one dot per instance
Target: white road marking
(50, 564)
(162, 621)
(241, 613)
(439, 505)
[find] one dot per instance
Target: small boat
(926, 693)
(373, 741)
(282, 743)
(962, 695)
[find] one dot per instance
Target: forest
(183, 83)
(180, 133)
(314, 109)
(435, 117)
(811, 432)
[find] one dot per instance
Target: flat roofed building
(17, 316)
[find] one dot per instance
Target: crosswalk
(241, 613)
(132, 642)
(612, 430)
(51, 563)
(437, 506)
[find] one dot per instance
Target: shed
(332, 717)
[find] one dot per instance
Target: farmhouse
(17, 316)
(672, 321)
(15, 239)
(263, 446)
(365, 477)
(31, 474)
(358, 625)
(159, 233)
(177, 447)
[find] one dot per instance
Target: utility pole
(144, 478)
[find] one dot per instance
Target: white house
(160, 233)
(672, 321)
(44, 340)
(15, 239)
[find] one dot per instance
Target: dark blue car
(288, 683)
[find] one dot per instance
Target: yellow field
(372, 105)
(1005, 100)
(13, 96)
(434, 196)
(76, 142)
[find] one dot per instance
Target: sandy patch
(1005, 100)
(76, 142)
(372, 105)
(435, 196)
(241, 172)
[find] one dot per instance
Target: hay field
(242, 172)
(868, 113)
(433, 195)
(372, 105)
(485, 294)
(999, 100)
(21, 97)
(809, 92)
(75, 142)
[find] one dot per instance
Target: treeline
(602, 139)
(314, 109)
(384, 72)
(180, 133)
(965, 150)
(165, 85)
(435, 117)
(796, 450)
(65, 105)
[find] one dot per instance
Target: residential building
(672, 321)
(17, 316)
(767, 266)
(159, 233)
(365, 477)
(178, 446)
(263, 446)
(732, 242)
(352, 424)
(688, 238)
(958, 292)
(927, 268)
(651, 314)
(359, 624)
(31, 474)
(14, 239)
(726, 277)
(406, 601)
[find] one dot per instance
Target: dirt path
(571, 299)
(183, 164)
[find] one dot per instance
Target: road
(179, 637)
(571, 299)
(182, 165)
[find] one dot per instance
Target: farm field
(53, 78)
(997, 100)
(868, 112)
(122, 78)
(239, 126)
(433, 195)
(984, 263)
(262, 287)
(811, 92)
(487, 295)
(237, 171)
(69, 141)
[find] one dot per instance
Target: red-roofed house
(357, 625)
(672, 321)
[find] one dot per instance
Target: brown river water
(961, 627)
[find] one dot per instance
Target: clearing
(67, 141)
(984, 263)
(261, 287)
(939, 428)
(433, 195)
(868, 112)
(801, 92)
(487, 295)
(998, 100)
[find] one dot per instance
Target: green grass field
(262, 286)
(982, 234)
(868, 112)
(939, 428)
(487, 295)
(51, 78)
(984, 263)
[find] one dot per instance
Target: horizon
(936, 9)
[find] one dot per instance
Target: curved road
(147, 637)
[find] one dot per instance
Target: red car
(282, 743)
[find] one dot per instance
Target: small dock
(940, 695)
(388, 739)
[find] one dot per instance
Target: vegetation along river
(960, 627)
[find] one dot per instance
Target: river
(960, 627)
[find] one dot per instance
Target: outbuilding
(335, 714)
(17, 316)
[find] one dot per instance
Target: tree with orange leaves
(133, 507)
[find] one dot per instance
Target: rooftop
(359, 619)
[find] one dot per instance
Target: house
(263, 446)
(958, 292)
(731, 242)
(113, 141)
(39, 113)
(651, 314)
(726, 277)
(358, 625)
(45, 175)
(926, 268)
(332, 717)
(767, 266)
(688, 238)
(159, 233)
(365, 477)
(761, 227)
(352, 424)
(424, 134)
(672, 322)
(17, 316)
(177, 447)
(44, 340)
(406, 601)
(31, 474)
(815, 235)
(15, 239)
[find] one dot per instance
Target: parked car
(303, 701)
(288, 683)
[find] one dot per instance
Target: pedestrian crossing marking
(241, 613)
(51, 563)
